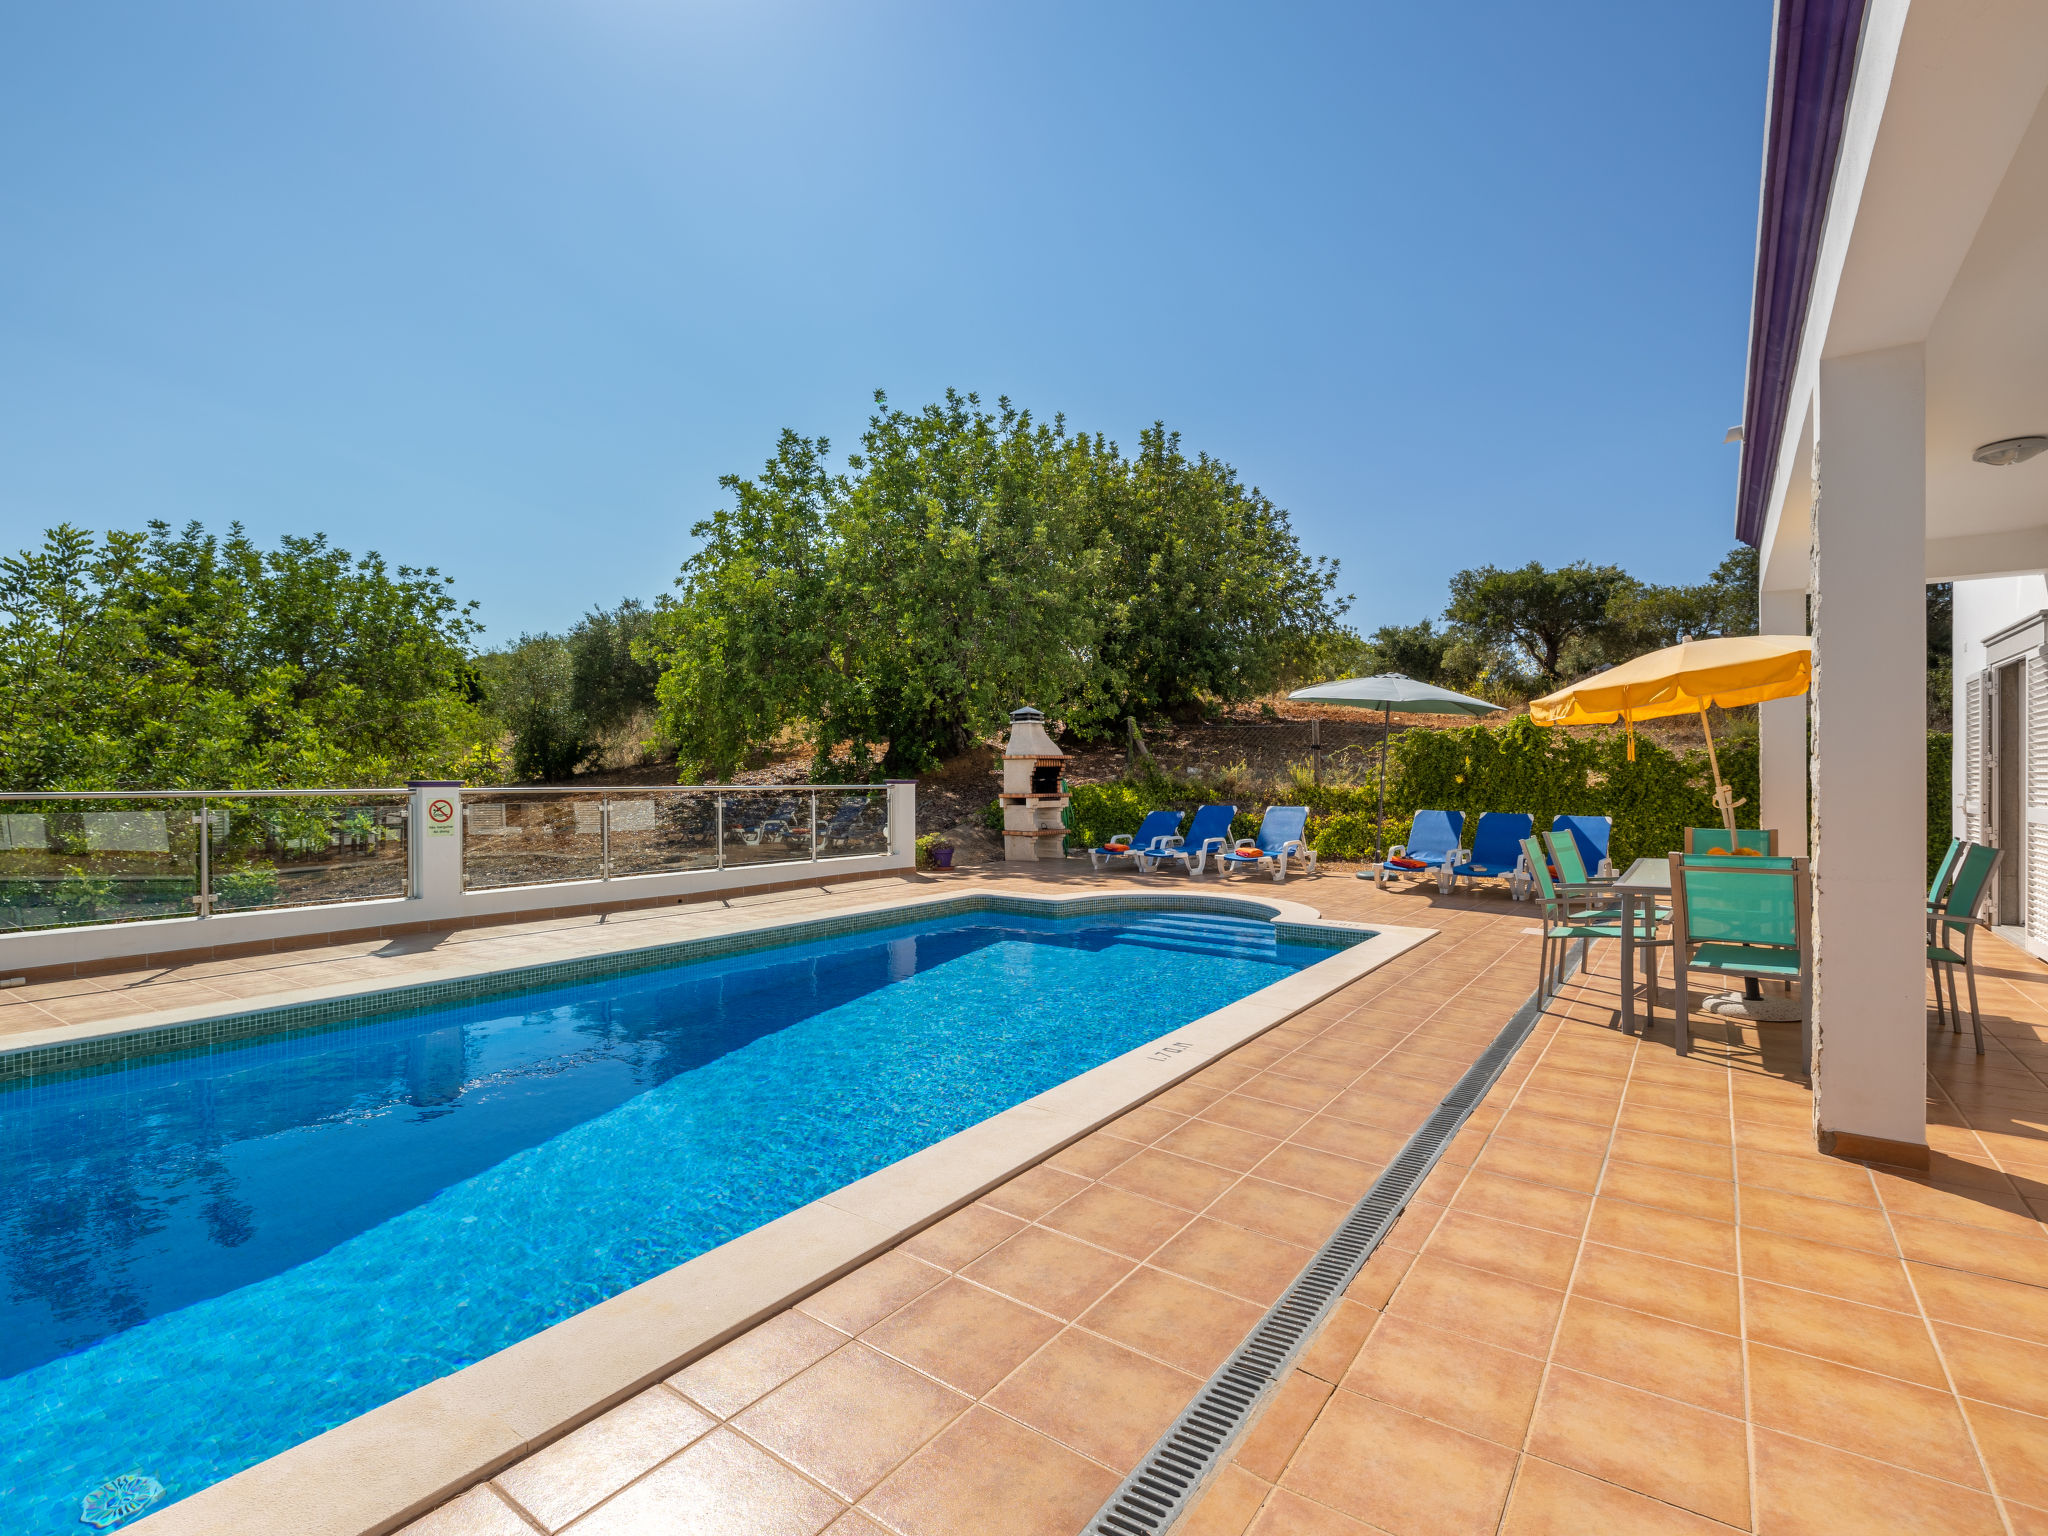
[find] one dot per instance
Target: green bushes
(1940, 787)
(1523, 767)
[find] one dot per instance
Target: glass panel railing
(541, 837)
(767, 826)
(294, 851)
(663, 833)
(64, 862)
(852, 822)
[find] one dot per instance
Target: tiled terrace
(1633, 1298)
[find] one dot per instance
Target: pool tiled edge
(90, 1045)
(371, 1475)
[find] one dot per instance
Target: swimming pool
(216, 1255)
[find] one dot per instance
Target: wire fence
(1334, 750)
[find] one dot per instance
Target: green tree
(968, 560)
(611, 681)
(1213, 597)
(1538, 611)
(179, 659)
(529, 687)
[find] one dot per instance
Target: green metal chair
(1561, 925)
(1944, 872)
(1574, 885)
(1755, 839)
(1742, 916)
(1962, 910)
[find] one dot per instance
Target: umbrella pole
(1724, 797)
(1379, 826)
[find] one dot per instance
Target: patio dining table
(1644, 880)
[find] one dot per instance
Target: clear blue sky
(504, 286)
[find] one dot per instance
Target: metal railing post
(204, 900)
(718, 801)
(814, 826)
(604, 830)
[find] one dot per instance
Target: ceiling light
(2010, 450)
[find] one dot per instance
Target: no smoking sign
(440, 818)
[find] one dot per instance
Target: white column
(1782, 770)
(903, 823)
(1870, 756)
(434, 829)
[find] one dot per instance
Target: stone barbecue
(1032, 799)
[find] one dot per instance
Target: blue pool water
(212, 1257)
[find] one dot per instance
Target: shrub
(1940, 788)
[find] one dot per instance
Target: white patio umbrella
(1386, 693)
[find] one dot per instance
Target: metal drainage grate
(1158, 1492)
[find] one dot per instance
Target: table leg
(1628, 962)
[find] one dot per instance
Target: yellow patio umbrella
(1682, 679)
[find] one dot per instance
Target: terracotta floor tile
(1171, 1180)
(563, 1480)
(756, 1362)
(1523, 1253)
(1103, 1400)
(851, 1417)
(1664, 1233)
(1288, 1514)
(1868, 1338)
(1677, 1153)
(1549, 1500)
(1804, 1489)
(2026, 1520)
(1117, 1220)
(1983, 1302)
(1668, 1450)
(1686, 1193)
(1451, 1378)
(1050, 1271)
(479, 1512)
(1173, 1319)
(1954, 1246)
(1654, 1354)
(1674, 1122)
(871, 1292)
(1259, 1116)
(1035, 1191)
(1223, 1145)
(1684, 1293)
(1227, 1258)
(2016, 1446)
(1820, 1221)
(1144, 1125)
(1338, 1178)
(1493, 1308)
(1861, 1412)
(969, 1338)
(1995, 1368)
(1187, 1098)
(1399, 1472)
(962, 1237)
(1567, 1106)
(1869, 1278)
(1336, 1344)
(1814, 1177)
(854, 1523)
(994, 1477)
(1093, 1156)
(721, 1486)
(1542, 1163)
(1374, 1146)
(1226, 1506)
(1272, 1440)
(1291, 1215)
(1382, 1273)
(1297, 1093)
(1530, 1205)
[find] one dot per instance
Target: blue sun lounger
(1496, 850)
(1283, 833)
(1432, 843)
(1151, 835)
(1210, 833)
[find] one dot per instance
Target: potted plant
(934, 852)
